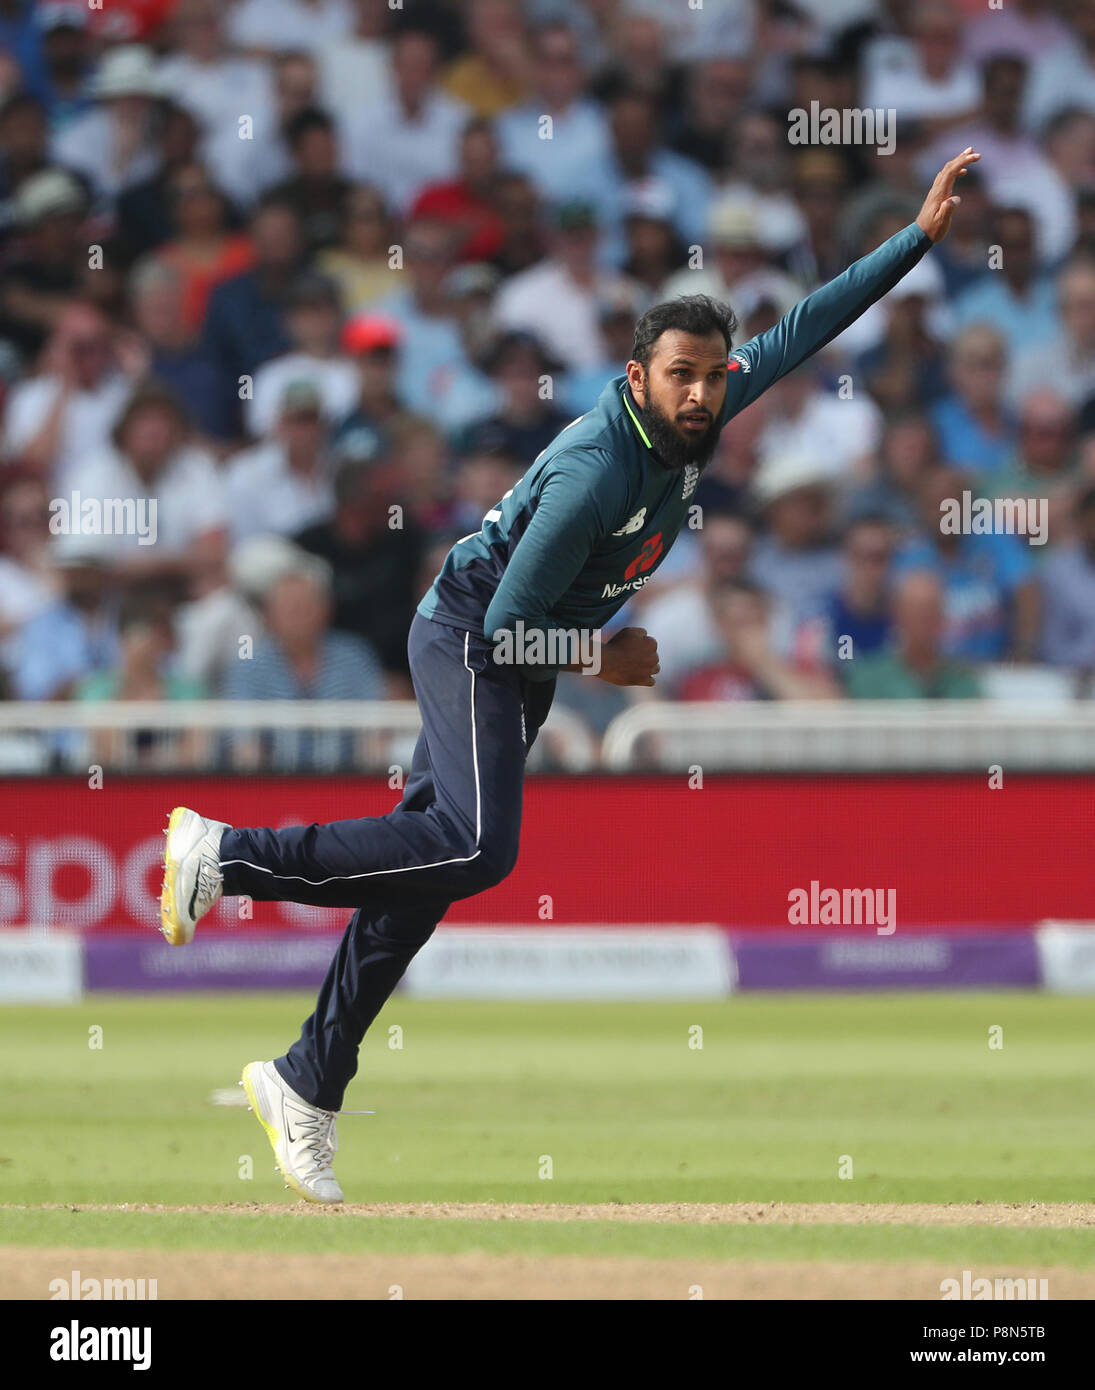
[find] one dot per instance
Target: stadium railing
(860, 735)
(320, 736)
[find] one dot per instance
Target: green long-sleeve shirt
(596, 512)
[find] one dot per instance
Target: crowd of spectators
(322, 277)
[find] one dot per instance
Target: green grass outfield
(479, 1094)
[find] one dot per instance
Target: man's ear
(636, 379)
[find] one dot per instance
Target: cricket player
(585, 528)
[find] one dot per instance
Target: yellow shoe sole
(170, 925)
(272, 1135)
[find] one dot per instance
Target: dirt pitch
(1051, 1214)
(26, 1271)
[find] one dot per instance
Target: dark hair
(1086, 501)
(149, 395)
(304, 122)
(689, 313)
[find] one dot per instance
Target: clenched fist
(630, 657)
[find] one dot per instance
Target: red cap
(368, 332)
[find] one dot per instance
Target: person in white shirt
(557, 298)
(312, 320)
(356, 67)
(53, 420)
(113, 145)
(278, 26)
(201, 75)
(283, 485)
(565, 165)
(171, 500)
(411, 137)
(925, 77)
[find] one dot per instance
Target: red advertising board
(603, 850)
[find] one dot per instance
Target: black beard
(672, 451)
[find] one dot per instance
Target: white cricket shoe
(192, 879)
(303, 1136)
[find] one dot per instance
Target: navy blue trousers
(454, 834)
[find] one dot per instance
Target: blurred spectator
(248, 154)
(493, 75)
(64, 80)
(301, 658)
(358, 62)
(563, 167)
(432, 351)
(52, 420)
(555, 298)
(315, 188)
(1063, 74)
(204, 249)
(1067, 362)
(312, 320)
(283, 483)
(24, 145)
(113, 144)
(795, 560)
(1068, 594)
(916, 669)
(908, 451)
(466, 203)
(176, 361)
(1015, 299)
(841, 434)
(409, 137)
(274, 26)
(359, 261)
(223, 619)
(42, 265)
(906, 367)
(373, 561)
(420, 456)
(28, 581)
(750, 668)
(856, 621)
(975, 430)
(738, 270)
(653, 248)
(639, 61)
(637, 154)
(1014, 166)
(617, 312)
(144, 214)
(1044, 465)
(245, 323)
(527, 419)
(990, 597)
(178, 512)
(205, 76)
(759, 175)
(373, 342)
(481, 478)
(1027, 26)
(76, 634)
(146, 642)
(524, 240)
(925, 75)
(683, 619)
(146, 638)
(716, 91)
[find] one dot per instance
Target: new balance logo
(634, 524)
(691, 478)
